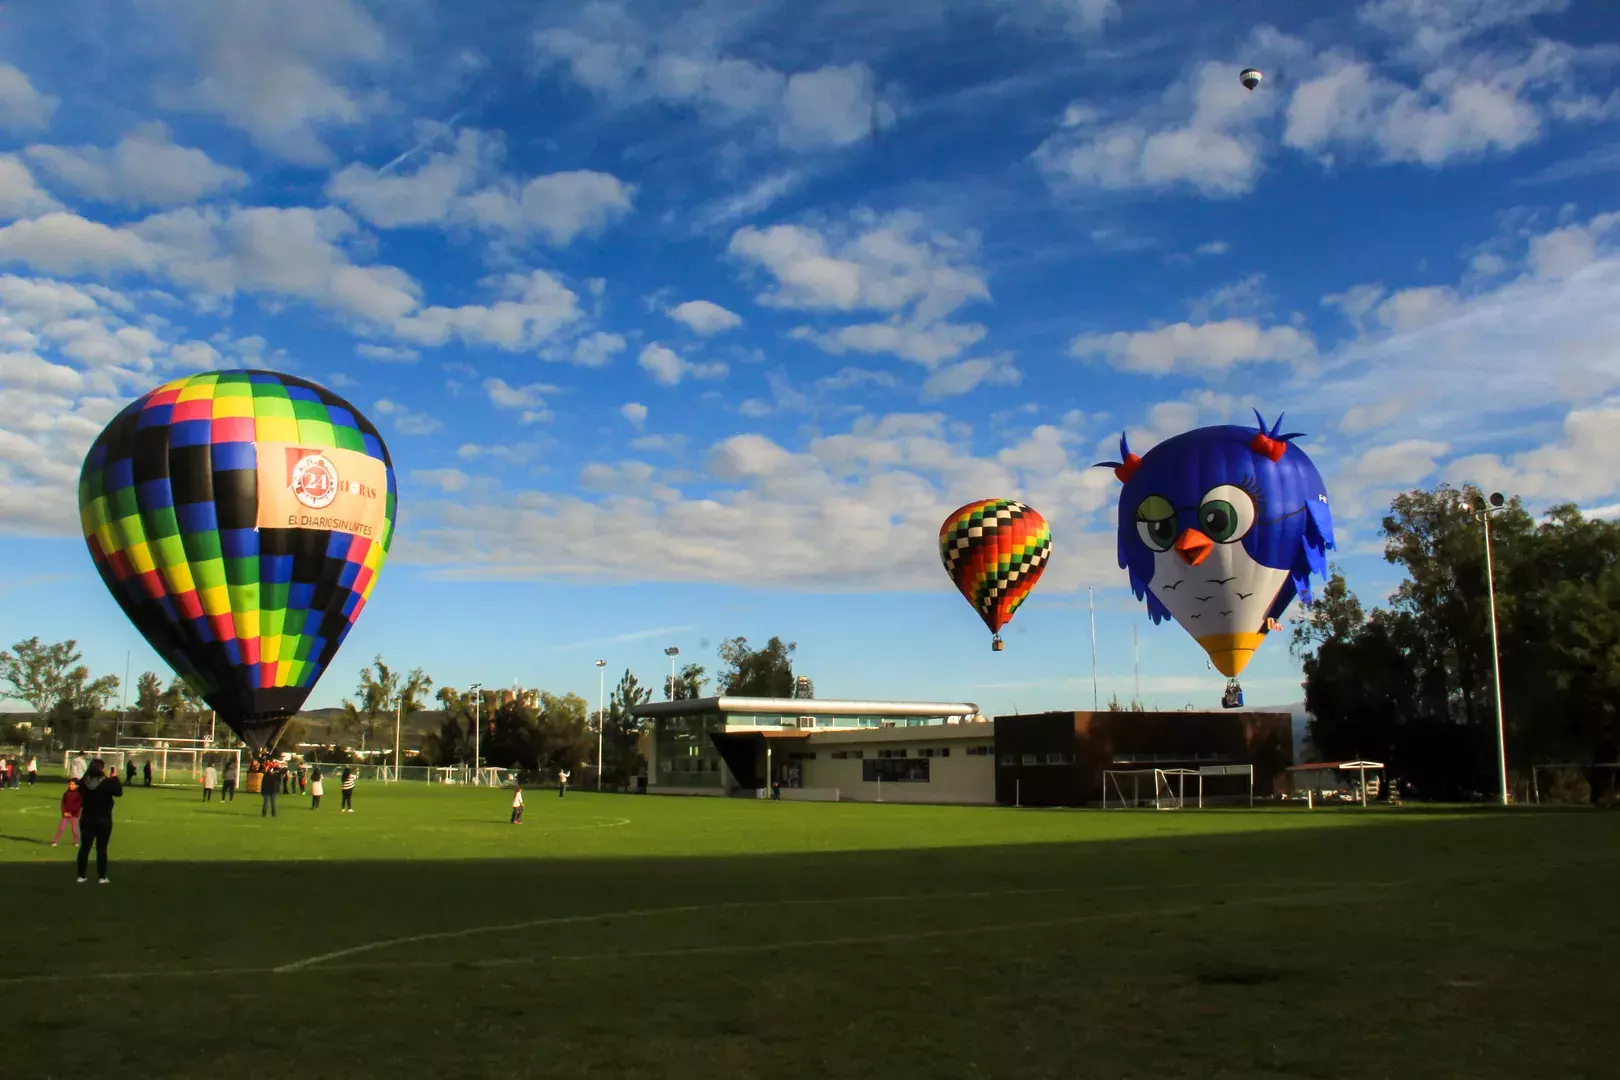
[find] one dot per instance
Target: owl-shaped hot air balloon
(995, 551)
(1220, 528)
(240, 519)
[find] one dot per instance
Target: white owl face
(1226, 592)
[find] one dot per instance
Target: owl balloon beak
(1194, 547)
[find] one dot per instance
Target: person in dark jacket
(269, 788)
(129, 771)
(147, 769)
(98, 792)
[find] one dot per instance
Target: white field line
(681, 909)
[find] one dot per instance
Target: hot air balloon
(1220, 528)
(1250, 78)
(995, 551)
(240, 519)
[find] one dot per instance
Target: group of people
(87, 808)
(11, 773)
(278, 779)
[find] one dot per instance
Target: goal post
(1162, 789)
(175, 761)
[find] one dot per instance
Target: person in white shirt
(77, 767)
(210, 778)
(517, 807)
(562, 783)
(33, 770)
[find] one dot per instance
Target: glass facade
(826, 723)
(685, 755)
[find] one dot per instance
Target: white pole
(601, 714)
(1136, 660)
(396, 740)
(478, 727)
(123, 704)
(1091, 603)
(1496, 664)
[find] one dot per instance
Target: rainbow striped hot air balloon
(995, 551)
(240, 519)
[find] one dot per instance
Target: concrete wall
(960, 778)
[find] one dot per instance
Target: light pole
(478, 726)
(601, 716)
(1484, 514)
(672, 652)
(1091, 605)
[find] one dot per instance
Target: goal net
(1157, 789)
(111, 757)
(175, 762)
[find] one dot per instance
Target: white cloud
(705, 318)
(529, 401)
(274, 68)
(892, 264)
(464, 186)
(387, 354)
(597, 349)
(855, 509)
(535, 307)
(404, 421)
(1213, 247)
(1582, 466)
(21, 106)
(145, 168)
(609, 54)
(668, 367)
(448, 481)
(20, 197)
(1076, 16)
(1215, 346)
(634, 412)
(953, 380)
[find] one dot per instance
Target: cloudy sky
(685, 321)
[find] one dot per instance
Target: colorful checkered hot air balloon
(240, 519)
(995, 551)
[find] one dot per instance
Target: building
(943, 752)
(821, 749)
(1059, 758)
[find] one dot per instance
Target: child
(210, 777)
(517, 807)
(72, 807)
(316, 788)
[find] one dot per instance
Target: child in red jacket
(72, 807)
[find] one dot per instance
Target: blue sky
(691, 321)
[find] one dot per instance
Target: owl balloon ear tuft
(1126, 466)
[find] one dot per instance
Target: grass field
(617, 936)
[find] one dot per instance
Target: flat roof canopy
(803, 707)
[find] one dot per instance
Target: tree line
(1412, 683)
(531, 731)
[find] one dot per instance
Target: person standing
(129, 771)
(517, 806)
(269, 788)
(315, 788)
(100, 789)
(147, 771)
(562, 783)
(228, 792)
(72, 807)
(33, 769)
(210, 777)
(77, 767)
(349, 777)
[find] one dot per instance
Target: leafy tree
(1114, 705)
(565, 740)
(179, 709)
(377, 694)
(748, 672)
(689, 683)
(411, 696)
(148, 701)
(38, 673)
(622, 732)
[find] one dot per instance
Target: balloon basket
(255, 781)
(996, 644)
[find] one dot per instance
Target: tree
(38, 673)
(564, 737)
(179, 710)
(622, 732)
(689, 683)
(148, 701)
(410, 697)
(1115, 706)
(377, 692)
(766, 672)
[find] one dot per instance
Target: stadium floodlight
(672, 652)
(1497, 504)
(601, 716)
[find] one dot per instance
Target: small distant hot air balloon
(1250, 78)
(240, 519)
(1220, 528)
(995, 551)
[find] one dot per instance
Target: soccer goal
(113, 758)
(174, 761)
(1161, 789)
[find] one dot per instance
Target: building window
(800, 755)
(1028, 759)
(1055, 758)
(930, 751)
(895, 771)
(848, 753)
(980, 751)
(891, 753)
(1008, 759)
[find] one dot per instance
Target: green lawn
(615, 936)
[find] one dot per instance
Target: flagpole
(1091, 603)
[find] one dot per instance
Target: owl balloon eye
(1226, 514)
(1156, 522)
